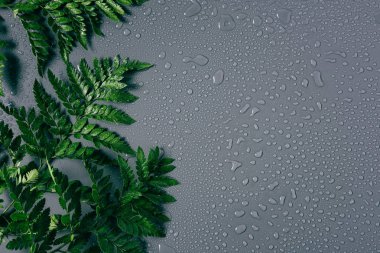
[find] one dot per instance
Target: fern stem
(7, 208)
(51, 171)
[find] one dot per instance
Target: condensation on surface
(272, 111)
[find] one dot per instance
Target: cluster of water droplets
(272, 111)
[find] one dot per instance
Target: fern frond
(30, 220)
(137, 225)
(70, 99)
(75, 150)
(6, 135)
(29, 124)
(69, 197)
(108, 113)
(111, 240)
(29, 177)
(119, 217)
(57, 120)
(38, 38)
(68, 20)
(101, 137)
(13, 145)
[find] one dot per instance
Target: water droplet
(240, 229)
(214, 11)
(239, 213)
(254, 111)
(245, 108)
(162, 55)
(294, 194)
(255, 214)
(199, 59)
(218, 77)
(272, 201)
(226, 23)
(257, 21)
(305, 82)
(259, 154)
(284, 16)
(127, 32)
(193, 9)
(317, 78)
(235, 164)
(273, 185)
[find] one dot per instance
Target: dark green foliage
(63, 23)
(105, 82)
(118, 220)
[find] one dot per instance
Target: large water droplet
(284, 16)
(193, 9)
(257, 21)
(226, 22)
(218, 77)
(235, 164)
(318, 78)
(199, 59)
(240, 229)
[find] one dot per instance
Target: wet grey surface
(272, 111)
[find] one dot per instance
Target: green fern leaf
(70, 99)
(108, 113)
(111, 241)
(68, 149)
(101, 137)
(57, 120)
(163, 181)
(37, 33)
(136, 225)
(6, 135)
(19, 243)
(112, 95)
(142, 165)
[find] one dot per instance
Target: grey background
(298, 111)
